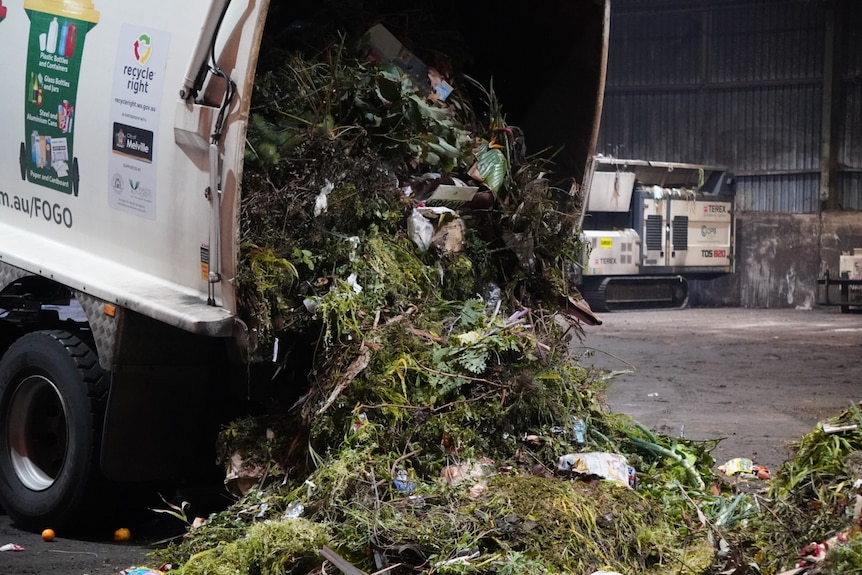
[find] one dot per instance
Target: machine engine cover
(613, 252)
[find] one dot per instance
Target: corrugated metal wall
(849, 180)
(737, 84)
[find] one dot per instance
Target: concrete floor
(758, 379)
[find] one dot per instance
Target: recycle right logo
(143, 49)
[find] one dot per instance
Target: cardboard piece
(386, 47)
(451, 196)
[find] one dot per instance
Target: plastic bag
(612, 466)
(420, 230)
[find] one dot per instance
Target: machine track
(622, 293)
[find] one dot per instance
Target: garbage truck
(122, 142)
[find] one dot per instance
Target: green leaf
(472, 314)
(492, 167)
(388, 90)
(443, 147)
(432, 159)
(429, 110)
(474, 360)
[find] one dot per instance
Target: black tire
(52, 399)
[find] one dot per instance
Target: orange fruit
(48, 535)
(122, 534)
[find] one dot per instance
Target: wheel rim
(36, 431)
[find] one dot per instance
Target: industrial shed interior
(770, 90)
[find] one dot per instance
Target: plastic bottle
(34, 147)
(71, 40)
(53, 32)
(579, 430)
(61, 43)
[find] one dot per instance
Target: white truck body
(135, 230)
(120, 191)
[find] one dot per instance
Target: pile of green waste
(442, 510)
(813, 506)
(426, 413)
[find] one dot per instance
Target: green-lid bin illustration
(56, 44)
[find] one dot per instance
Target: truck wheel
(52, 397)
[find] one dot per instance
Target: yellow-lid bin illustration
(56, 44)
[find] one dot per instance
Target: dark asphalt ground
(70, 555)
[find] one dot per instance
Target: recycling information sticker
(135, 109)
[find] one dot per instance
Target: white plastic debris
(294, 510)
(321, 203)
(354, 242)
(351, 281)
(420, 230)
